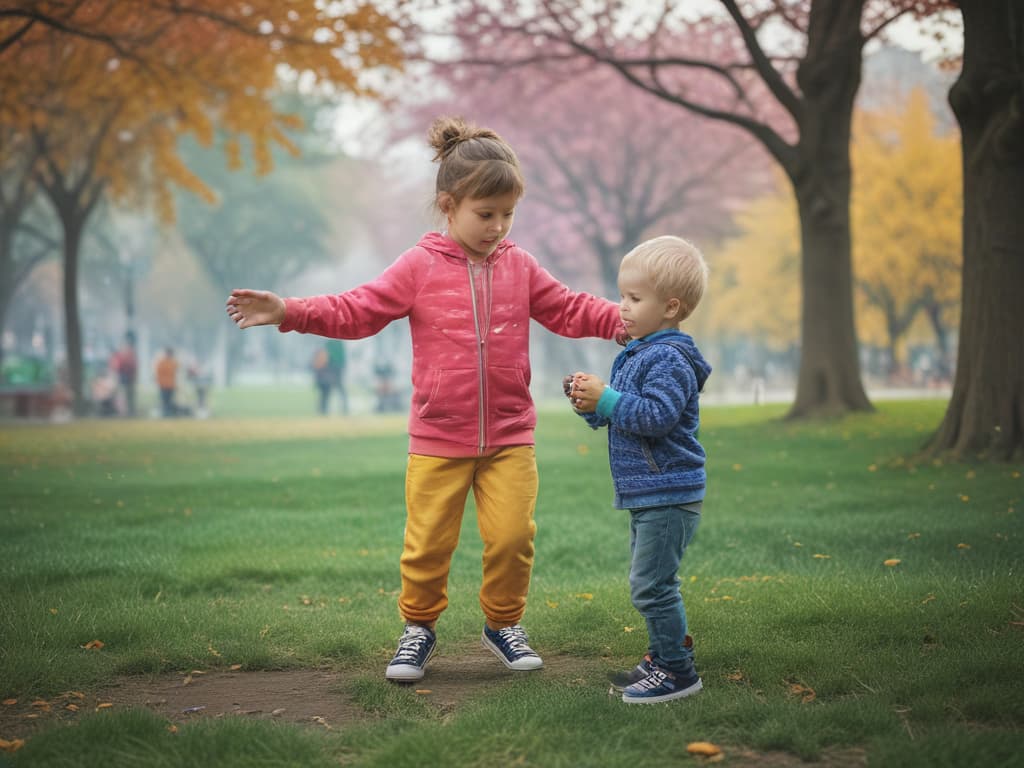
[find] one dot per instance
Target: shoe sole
(486, 643)
(406, 673)
(695, 688)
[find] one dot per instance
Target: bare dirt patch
(321, 698)
(316, 697)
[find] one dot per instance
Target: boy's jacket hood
(685, 344)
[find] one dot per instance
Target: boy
(652, 413)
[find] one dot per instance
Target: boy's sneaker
(622, 680)
(415, 647)
(662, 685)
(512, 647)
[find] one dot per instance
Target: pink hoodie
(470, 325)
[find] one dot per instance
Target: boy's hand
(247, 308)
(586, 391)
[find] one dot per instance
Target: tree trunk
(985, 417)
(934, 313)
(829, 381)
(7, 282)
(72, 319)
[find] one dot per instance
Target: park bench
(29, 401)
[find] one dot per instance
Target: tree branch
(776, 84)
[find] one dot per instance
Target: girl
(469, 294)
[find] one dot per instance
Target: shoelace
(411, 644)
(515, 638)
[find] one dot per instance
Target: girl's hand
(247, 308)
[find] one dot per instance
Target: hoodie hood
(685, 344)
(442, 244)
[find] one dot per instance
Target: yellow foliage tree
(906, 212)
(755, 277)
(103, 90)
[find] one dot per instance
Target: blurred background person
(166, 371)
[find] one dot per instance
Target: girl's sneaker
(662, 685)
(512, 647)
(415, 647)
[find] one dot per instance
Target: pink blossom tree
(606, 164)
(801, 56)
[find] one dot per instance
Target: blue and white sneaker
(415, 647)
(512, 647)
(622, 680)
(662, 685)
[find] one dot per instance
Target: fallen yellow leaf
(11, 746)
(10, 702)
(423, 691)
(93, 645)
(71, 707)
(805, 692)
(172, 728)
(823, 557)
(963, 546)
(235, 667)
(104, 705)
(705, 748)
(584, 595)
(892, 562)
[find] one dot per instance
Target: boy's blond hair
(676, 269)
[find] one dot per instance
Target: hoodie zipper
(481, 433)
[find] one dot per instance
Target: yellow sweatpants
(505, 488)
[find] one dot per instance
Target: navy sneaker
(512, 647)
(622, 680)
(662, 685)
(415, 647)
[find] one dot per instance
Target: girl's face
(478, 224)
(642, 311)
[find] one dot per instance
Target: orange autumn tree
(101, 91)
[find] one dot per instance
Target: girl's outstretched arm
(247, 308)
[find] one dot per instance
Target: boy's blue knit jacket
(652, 413)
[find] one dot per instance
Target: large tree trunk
(829, 379)
(985, 417)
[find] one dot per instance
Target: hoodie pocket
(510, 404)
(649, 455)
(452, 398)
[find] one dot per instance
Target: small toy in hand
(569, 387)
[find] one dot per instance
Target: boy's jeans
(658, 537)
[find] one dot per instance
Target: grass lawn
(849, 604)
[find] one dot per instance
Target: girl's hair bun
(446, 133)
